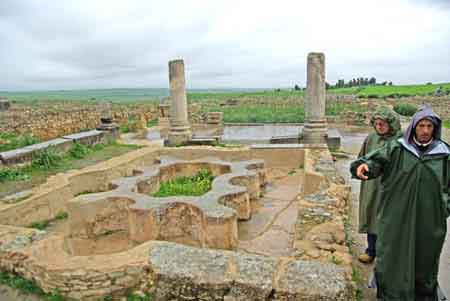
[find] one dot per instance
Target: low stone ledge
(26, 153)
(92, 137)
(187, 273)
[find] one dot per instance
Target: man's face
(381, 126)
(424, 131)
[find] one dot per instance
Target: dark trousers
(371, 242)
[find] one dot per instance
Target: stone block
(92, 137)
(186, 273)
(4, 104)
(204, 140)
(308, 280)
(253, 279)
(26, 153)
(214, 118)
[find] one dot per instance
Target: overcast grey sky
(233, 43)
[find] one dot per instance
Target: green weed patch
(152, 123)
(446, 124)
(405, 109)
(190, 186)
(12, 141)
(26, 286)
(12, 174)
(51, 160)
(42, 225)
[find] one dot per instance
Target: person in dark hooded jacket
(414, 206)
(386, 124)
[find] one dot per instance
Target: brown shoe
(365, 258)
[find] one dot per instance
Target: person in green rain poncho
(414, 206)
(386, 124)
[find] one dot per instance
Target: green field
(219, 96)
(202, 95)
(254, 105)
(114, 95)
(399, 91)
(135, 95)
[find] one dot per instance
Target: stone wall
(50, 120)
(320, 233)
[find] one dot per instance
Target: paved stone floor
(270, 230)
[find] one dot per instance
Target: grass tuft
(79, 151)
(152, 123)
(12, 174)
(405, 109)
(46, 159)
(446, 124)
(42, 225)
(26, 286)
(191, 186)
(12, 141)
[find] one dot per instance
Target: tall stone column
(315, 129)
(180, 130)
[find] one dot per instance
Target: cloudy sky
(233, 43)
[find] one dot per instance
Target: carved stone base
(314, 131)
(179, 137)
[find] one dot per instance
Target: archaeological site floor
(272, 228)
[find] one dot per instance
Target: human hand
(361, 170)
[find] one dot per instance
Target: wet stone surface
(321, 198)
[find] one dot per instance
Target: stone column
(180, 130)
(315, 129)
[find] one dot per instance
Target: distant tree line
(354, 82)
(358, 82)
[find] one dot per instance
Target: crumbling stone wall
(51, 120)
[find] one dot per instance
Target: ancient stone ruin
(180, 130)
(236, 241)
(129, 210)
(270, 228)
(315, 130)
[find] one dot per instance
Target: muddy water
(351, 143)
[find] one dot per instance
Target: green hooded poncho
(369, 193)
(414, 206)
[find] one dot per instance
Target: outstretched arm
(371, 165)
